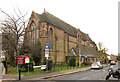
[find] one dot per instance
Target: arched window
(50, 38)
(33, 32)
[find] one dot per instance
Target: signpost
(22, 59)
(46, 54)
(46, 50)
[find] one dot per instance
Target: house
(113, 57)
(64, 40)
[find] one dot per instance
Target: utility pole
(79, 56)
(79, 44)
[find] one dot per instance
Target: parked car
(97, 65)
(112, 63)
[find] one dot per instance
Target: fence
(64, 66)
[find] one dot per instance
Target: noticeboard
(23, 59)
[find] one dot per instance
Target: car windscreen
(112, 61)
(94, 63)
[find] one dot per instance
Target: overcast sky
(98, 18)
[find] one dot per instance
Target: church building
(65, 41)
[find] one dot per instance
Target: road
(0, 71)
(93, 74)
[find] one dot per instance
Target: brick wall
(72, 42)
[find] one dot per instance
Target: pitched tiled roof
(87, 51)
(47, 17)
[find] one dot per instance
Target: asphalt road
(0, 71)
(93, 74)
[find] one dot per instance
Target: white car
(96, 65)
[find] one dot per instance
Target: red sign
(23, 59)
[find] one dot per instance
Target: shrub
(25, 67)
(86, 63)
(72, 62)
(50, 62)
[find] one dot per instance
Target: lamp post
(79, 56)
(79, 44)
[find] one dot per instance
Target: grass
(13, 70)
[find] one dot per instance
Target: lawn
(13, 70)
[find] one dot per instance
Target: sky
(98, 18)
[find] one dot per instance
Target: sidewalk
(43, 76)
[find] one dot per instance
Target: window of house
(33, 32)
(85, 43)
(50, 38)
(88, 60)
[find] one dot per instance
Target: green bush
(50, 62)
(24, 67)
(86, 63)
(72, 62)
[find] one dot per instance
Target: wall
(72, 42)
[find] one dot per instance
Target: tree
(100, 49)
(36, 51)
(13, 27)
(105, 52)
(8, 46)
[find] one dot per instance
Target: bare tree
(100, 49)
(13, 28)
(105, 52)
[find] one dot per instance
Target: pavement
(45, 76)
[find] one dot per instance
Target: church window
(51, 38)
(33, 32)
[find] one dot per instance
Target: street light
(79, 44)
(79, 56)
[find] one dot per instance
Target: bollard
(19, 74)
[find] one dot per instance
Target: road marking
(84, 78)
(93, 74)
(104, 70)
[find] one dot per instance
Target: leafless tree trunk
(105, 51)
(100, 49)
(14, 26)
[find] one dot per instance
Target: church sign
(23, 59)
